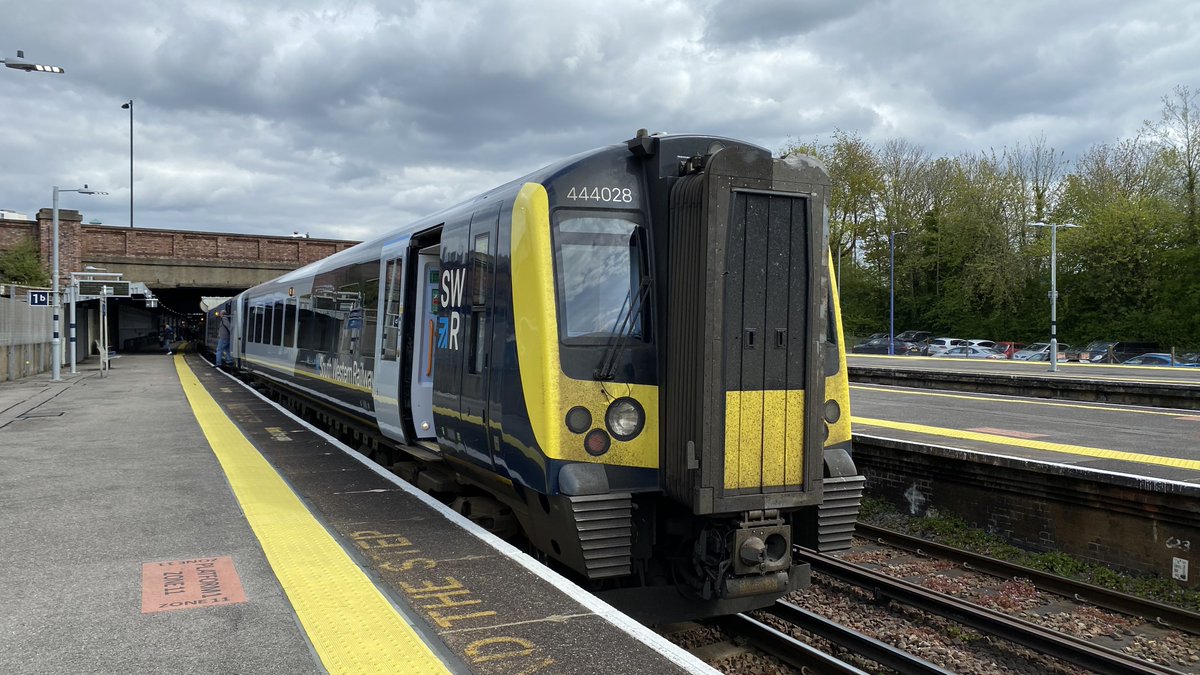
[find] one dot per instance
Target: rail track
(1164, 615)
(1061, 646)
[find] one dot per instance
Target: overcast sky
(342, 119)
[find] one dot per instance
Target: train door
(385, 388)
(425, 306)
(477, 329)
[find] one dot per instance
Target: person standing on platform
(168, 338)
(223, 341)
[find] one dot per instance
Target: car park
(880, 346)
(969, 352)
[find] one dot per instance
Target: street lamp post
(129, 106)
(56, 338)
(892, 290)
(1054, 228)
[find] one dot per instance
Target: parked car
(1036, 348)
(914, 335)
(939, 345)
(1009, 348)
(969, 352)
(1109, 351)
(986, 344)
(917, 337)
(1157, 359)
(880, 346)
(1045, 356)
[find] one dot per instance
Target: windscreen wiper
(624, 331)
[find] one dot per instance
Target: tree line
(968, 263)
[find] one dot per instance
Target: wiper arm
(620, 339)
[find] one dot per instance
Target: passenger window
(481, 263)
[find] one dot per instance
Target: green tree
(1113, 268)
(21, 264)
(1178, 132)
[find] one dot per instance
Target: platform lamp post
(56, 338)
(1054, 228)
(892, 290)
(129, 106)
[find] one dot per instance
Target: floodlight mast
(18, 62)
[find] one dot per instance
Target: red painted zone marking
(1007, 432)
(188, 584)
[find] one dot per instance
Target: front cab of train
(674, 328)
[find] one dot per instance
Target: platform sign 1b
(39, 298)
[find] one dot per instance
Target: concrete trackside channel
(1131, 523)
(1158, 394)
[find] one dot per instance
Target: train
(631, 361)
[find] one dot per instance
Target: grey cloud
(354, 116)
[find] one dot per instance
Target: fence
(25, 347)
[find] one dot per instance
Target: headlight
(625, 419)
(578, 419)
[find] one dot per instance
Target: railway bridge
(178, 266)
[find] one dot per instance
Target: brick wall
(80, 244)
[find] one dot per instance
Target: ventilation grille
(838, 513)
(605, 533)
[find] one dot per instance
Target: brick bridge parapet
(168, 258)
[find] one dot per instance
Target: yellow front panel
(794, 458)
(549, 393)
(749, 450)
(775, 437)
(764, 439)
(837, 386)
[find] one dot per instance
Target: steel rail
(866, 646)
(1051, 643)
(786, 648)
(1163, 614)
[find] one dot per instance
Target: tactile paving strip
(351, 625)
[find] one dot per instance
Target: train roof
(671, 145)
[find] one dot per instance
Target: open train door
(390, 340)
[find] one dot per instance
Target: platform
(165, 518)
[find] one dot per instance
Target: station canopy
(211, 302)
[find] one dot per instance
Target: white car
(939, 345)
(986, 344)
(969, 352)
(1041, 348)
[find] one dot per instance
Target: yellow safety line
(351, 625)
(1035, 445)
(1029, 365)
(913, 392)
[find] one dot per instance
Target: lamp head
(18, 62)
